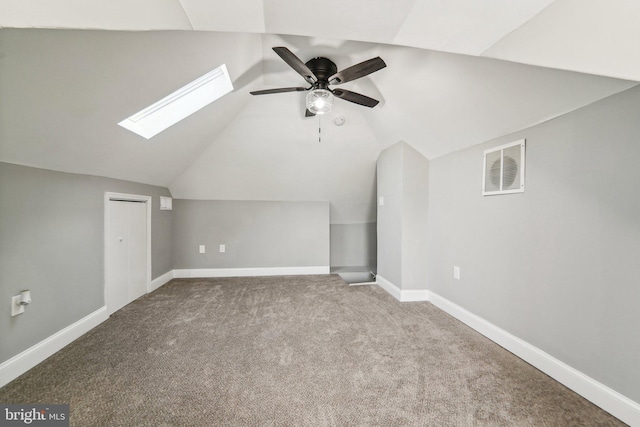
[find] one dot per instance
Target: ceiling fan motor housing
(323, 68)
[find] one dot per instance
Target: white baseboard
(234, 272)
(608, 399)
(407, 295)
(21, 363)
(247, 272)
(160, 281)
(388, 286)
(413, 295)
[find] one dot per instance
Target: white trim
(246, 272)
(21, 363)
(413, 295)
(406, 295)
(134, 198)
(388, 286)
(608, 399)
(161, 281)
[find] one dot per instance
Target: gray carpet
(293, 351)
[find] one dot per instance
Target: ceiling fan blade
(356, 98)
(295, 63)
(308, 113)
(356, 71)
(279, 90)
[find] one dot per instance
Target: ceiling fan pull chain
(319, 128)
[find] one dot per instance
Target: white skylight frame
(180, 104)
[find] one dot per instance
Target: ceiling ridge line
(394, 39)
(264, 18)
(186, 15)
(482, 53)
(539, 122)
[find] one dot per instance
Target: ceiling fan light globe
(319, 101)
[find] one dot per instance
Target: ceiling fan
(321, 72)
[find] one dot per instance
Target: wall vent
(503, 171)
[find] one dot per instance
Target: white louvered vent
(503, 171)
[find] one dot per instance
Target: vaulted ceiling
(459, 73)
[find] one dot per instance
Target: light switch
(166, 203)
(222, 248)
(456, 272)
(202, 250)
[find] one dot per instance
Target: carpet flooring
(293, 351)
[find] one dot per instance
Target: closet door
(137, 250)
(126, 253)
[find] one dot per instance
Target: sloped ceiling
(459, 73)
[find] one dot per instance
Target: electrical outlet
(456, 272)
(223, 248)
(201, 249)
(16, 307)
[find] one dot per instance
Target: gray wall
(256, 234)
(354, 245)
(415, 198)
(403, 177)
(52, 242)
(389, 224)
(558, 265)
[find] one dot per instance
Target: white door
(126, 257)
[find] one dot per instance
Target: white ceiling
(459, 72)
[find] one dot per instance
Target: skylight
(180, 104)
